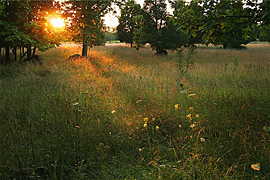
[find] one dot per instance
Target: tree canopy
(128, 21)
(221, 22)
(86, 23)
(23, 24)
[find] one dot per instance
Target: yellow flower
(140, 149)
(157, 128)
(191, 108)
(197, 115)
(256, 166)
(189, 116)
(145, 119)
(202, 139)
(145, 125)
(180, 125)
(176, 106)
(192, 125)
(113, 111)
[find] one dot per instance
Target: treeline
(23, 29)
(220, 22)
(24, 26)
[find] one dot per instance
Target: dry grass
(86, 118)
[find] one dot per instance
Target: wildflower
(145, 125)
(191, 137)
(140, 149)
(157, 128)
(191, 95)
(138, 101)
(75, 104)
(113, 111)
(176, 106)
(197, 115)
(191, 108)
(256, 166)
(145, 119)
(202, 139)
(192, 125)
(189, 116)
(162, 166)
(180, 125)
(153, 119)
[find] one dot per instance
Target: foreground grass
(125, 114)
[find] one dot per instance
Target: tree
(193, 10)
(139, 35)
(221, 22)
(162, 34)
(22, 25)
(86, 23)
(128, 22)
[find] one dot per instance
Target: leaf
(194, 34)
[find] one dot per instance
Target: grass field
(127, 114)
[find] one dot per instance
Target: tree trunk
(84, 50)
(20, 53)
(29, 53)
(34, 51)
(0, 55)
(7, 59)
(15, 53)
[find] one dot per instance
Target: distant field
(127, 114)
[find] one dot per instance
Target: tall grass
(126, 114)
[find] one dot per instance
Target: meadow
(127, 114)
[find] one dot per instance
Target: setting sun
(57, 22)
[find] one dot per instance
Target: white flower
(202, 139)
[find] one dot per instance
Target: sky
(111, 19)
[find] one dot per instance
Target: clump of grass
(121, 114)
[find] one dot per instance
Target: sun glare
(57, 22)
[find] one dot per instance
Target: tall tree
(162, 34)
(128, 21)
(221, 22)
(157, 16)
(86, 23)
(22, 24)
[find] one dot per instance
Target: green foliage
(139, 35)
(23, 24)
(129, 22)
(185, 60)
(162, 33)
(220, 22)
(110, 36)
(87, 25)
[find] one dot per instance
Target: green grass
(85, 118)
